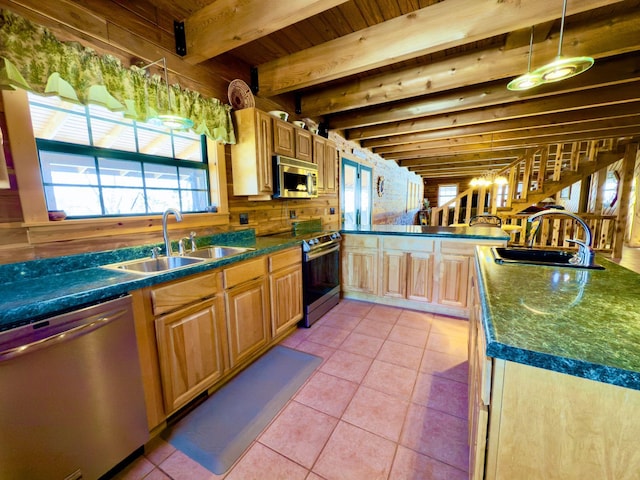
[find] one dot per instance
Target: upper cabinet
(251, 155)
(325, 155)
(260, 136)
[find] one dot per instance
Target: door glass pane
(365, 196)
(350, 175)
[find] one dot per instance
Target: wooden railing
(554, 232)
(539, 173)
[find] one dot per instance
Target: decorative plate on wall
(240, 95)
(380, 186)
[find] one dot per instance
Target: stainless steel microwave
(294, 178)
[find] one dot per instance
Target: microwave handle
(312, 187)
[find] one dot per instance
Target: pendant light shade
(559, 69)
(168, 119)
(529, 79)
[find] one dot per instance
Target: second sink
(532, 256)
(154, 265)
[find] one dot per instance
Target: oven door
(321, 281)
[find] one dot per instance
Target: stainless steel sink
(533, 256)
(154, 265)
(216, 252)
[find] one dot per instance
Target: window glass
(96, 162)
(447, 193)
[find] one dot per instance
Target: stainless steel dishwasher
(71, 399)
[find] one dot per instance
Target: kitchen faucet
(585, 255)
(165, 234)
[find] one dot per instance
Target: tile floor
(388, 402)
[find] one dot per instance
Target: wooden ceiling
(423, 82)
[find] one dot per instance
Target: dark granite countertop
(575, 321)
(475, 232)
(41, 288)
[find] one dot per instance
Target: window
(610, 193)
(96, 163)
(447, 193)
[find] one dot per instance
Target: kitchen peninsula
(420, 267)
(554, 371)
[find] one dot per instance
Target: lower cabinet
(190, 347)
(420, 272)
(196, 333)
(247, 303)
(530, 422)
(360, 264)
(285, 285)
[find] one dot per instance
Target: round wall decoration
(380, 186)
(240, 95)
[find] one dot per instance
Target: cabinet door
(247, 319)
(283, 138)
(454, 280)
(360, 270)
(330, 168)
(420, 276)
(263, 151)
(303, 145)
(319, 144)
(286, 298)
(190, 351)
(394, 274)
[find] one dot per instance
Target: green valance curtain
(31, 58)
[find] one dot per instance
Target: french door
(357, 188)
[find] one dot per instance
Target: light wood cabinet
(191, 351)
(247, 309)
(326, 157)
(190, 335)
(284, 141)
(285, 285)
(304, 147)
(360, 264)
(251, 155)
(292, 141)
(407, 268)
(419, 272)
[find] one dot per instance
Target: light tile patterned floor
(388, 402)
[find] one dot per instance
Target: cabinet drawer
(459, 248)
(170, 296)
(244, 271)
(284, 259)
(407, 244)
(360, 241)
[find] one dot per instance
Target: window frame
(447, 185)
(31, 192)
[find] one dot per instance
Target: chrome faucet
(165, 234)
(585, 255)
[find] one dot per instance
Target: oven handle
(319, 253)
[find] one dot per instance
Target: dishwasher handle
(99, 321)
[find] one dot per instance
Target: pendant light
(562, 68)
(168, 120)
(529, 79)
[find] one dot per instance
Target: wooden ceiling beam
(540, 132)
(399, 117)
(575, 101)
(434, 28)
(462, 148)
(514, 124)
(470, 157)
(460, 168)
(604, 39)
(224, 25)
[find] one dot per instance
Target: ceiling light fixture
(529, 79)
(168, 120)
(559, 69)
(487, 179)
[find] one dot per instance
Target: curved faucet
(165, 234)
(585, 255)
